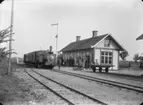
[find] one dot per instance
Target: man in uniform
(59, 62)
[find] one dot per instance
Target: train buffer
(100, 67)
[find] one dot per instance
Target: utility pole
(56, 37)
(10, 38)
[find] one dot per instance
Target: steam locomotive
(41, 58)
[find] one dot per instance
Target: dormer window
(107, 43)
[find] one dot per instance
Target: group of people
(71, 62)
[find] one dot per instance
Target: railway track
(126, 76)
(108, 82)
(67, 101)
(93, 100)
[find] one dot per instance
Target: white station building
(102, 50)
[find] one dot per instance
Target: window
(107, 43)
(106, 57)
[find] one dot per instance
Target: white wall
(115, 59)
(97, 55)
(112, 48)
(112, 45)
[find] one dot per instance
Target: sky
(123, 19)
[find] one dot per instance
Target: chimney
(94, 34)
(77, 38)
(50, 48)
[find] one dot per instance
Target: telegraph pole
(56, 38)
(10, 37)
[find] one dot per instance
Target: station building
(102, 50)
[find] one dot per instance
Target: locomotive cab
(50, 61)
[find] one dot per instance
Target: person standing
(59, 62)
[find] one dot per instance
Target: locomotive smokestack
(50, 48)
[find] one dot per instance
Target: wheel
(94, 69)
(36, 65)
(100, 69)
(106, 70)
(51, 67)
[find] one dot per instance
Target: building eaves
(83, 44)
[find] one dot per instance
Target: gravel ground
(41, 96)
(105, 93)
(73, 97)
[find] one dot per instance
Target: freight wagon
(40, 58)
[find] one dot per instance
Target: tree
(136, 58)
(4, 34)
(123, 55)
(1, 1)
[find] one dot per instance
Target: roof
(140, 37)
(38, 51)
(117, 43)
(83, 44)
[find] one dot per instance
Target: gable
(113, 44)
(140, 37)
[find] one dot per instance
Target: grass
(15, 90)
(125, 65)
(11, 87)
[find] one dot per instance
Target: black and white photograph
(71, 52)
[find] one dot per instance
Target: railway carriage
(40, 58)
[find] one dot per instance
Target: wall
(76, 54)
(112, 48)
(115, 60)
(97, 55)
(112, 44)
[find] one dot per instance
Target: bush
(3, 67)
(124, 64)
